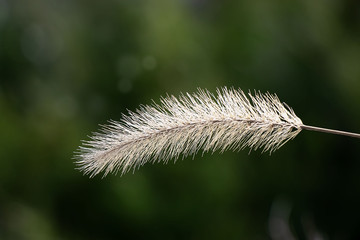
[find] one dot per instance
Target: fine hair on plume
(229, 120)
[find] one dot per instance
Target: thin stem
(331, 131)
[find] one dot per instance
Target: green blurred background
(67, 66)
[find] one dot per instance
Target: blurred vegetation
(67, 66)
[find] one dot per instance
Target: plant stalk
(331, 131)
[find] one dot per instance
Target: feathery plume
(231, 120)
